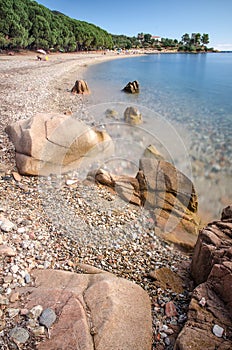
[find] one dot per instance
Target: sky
(165, 18)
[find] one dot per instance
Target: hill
(25, 24)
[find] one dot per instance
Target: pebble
(218, 331)
(19, 335)
(170, 309)
(35, 312)
(47, 318)
(14, 269)
(4, 300)
(27, 278)
(12, 312)
(38, 331)
(7, 251)
(202, 302)
(14, 297)
(6, 225)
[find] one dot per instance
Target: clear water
(183, 94)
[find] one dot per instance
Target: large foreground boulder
(55, 143)
(209, 324)
(93, 311)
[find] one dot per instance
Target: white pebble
(218, 331)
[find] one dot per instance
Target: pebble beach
(59, 222)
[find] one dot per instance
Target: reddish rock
(211, 269)
(170, 309)
(94, 311)
(54, 143)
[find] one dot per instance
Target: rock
(111, 113)
(218, 331)
(54, 143)
(227, 213)
(19, 335)
(132, 87)
(4, 300)
(47, 318)
(210, 310)
(167, 279)
(170, 309)
(132, 116)
(7, 251)
(6, 225)
(35, 311)
(16, 176)
(173, 197)
(125, 186)
(96, 311)
(152, 152)
(80, 87)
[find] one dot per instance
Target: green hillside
(24, 24)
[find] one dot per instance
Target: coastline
(42, 233)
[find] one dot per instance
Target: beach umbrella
(42, 51)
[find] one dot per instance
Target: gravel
(59, 221)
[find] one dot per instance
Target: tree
(205, 39)
(186, 39)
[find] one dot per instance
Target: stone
(35, 311)
(125, 186)
(227, 213)
(210, 309)
(152, 152)
(132, 87)
(19, 335)
(167, 279)
(132, 116)
(218, 331)
(95, 311)
(173, 197)
(47, 318)
(55, 143)
(111, 113)
(7, 251)
(6, 225)
(80, 87)
(16, 176)
(170, 309)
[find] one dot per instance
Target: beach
(41, 230)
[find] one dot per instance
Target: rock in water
(132, 116)
(55, 143)
(80, 87)
(132, 87)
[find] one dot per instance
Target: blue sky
(166, 18)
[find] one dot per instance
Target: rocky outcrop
(54, 143)
(172, 196)
(209, 324)
(132, 116)
(92, 311)
(80, 87)
(132, 87)
(165, 191)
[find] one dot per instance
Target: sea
(186, 105)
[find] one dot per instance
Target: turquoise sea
(186, 103)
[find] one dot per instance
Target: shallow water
(186, 103)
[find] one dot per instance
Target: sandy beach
(105, 231)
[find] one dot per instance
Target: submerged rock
(132, 116)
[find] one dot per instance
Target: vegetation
(194, 43)
(26, 24)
